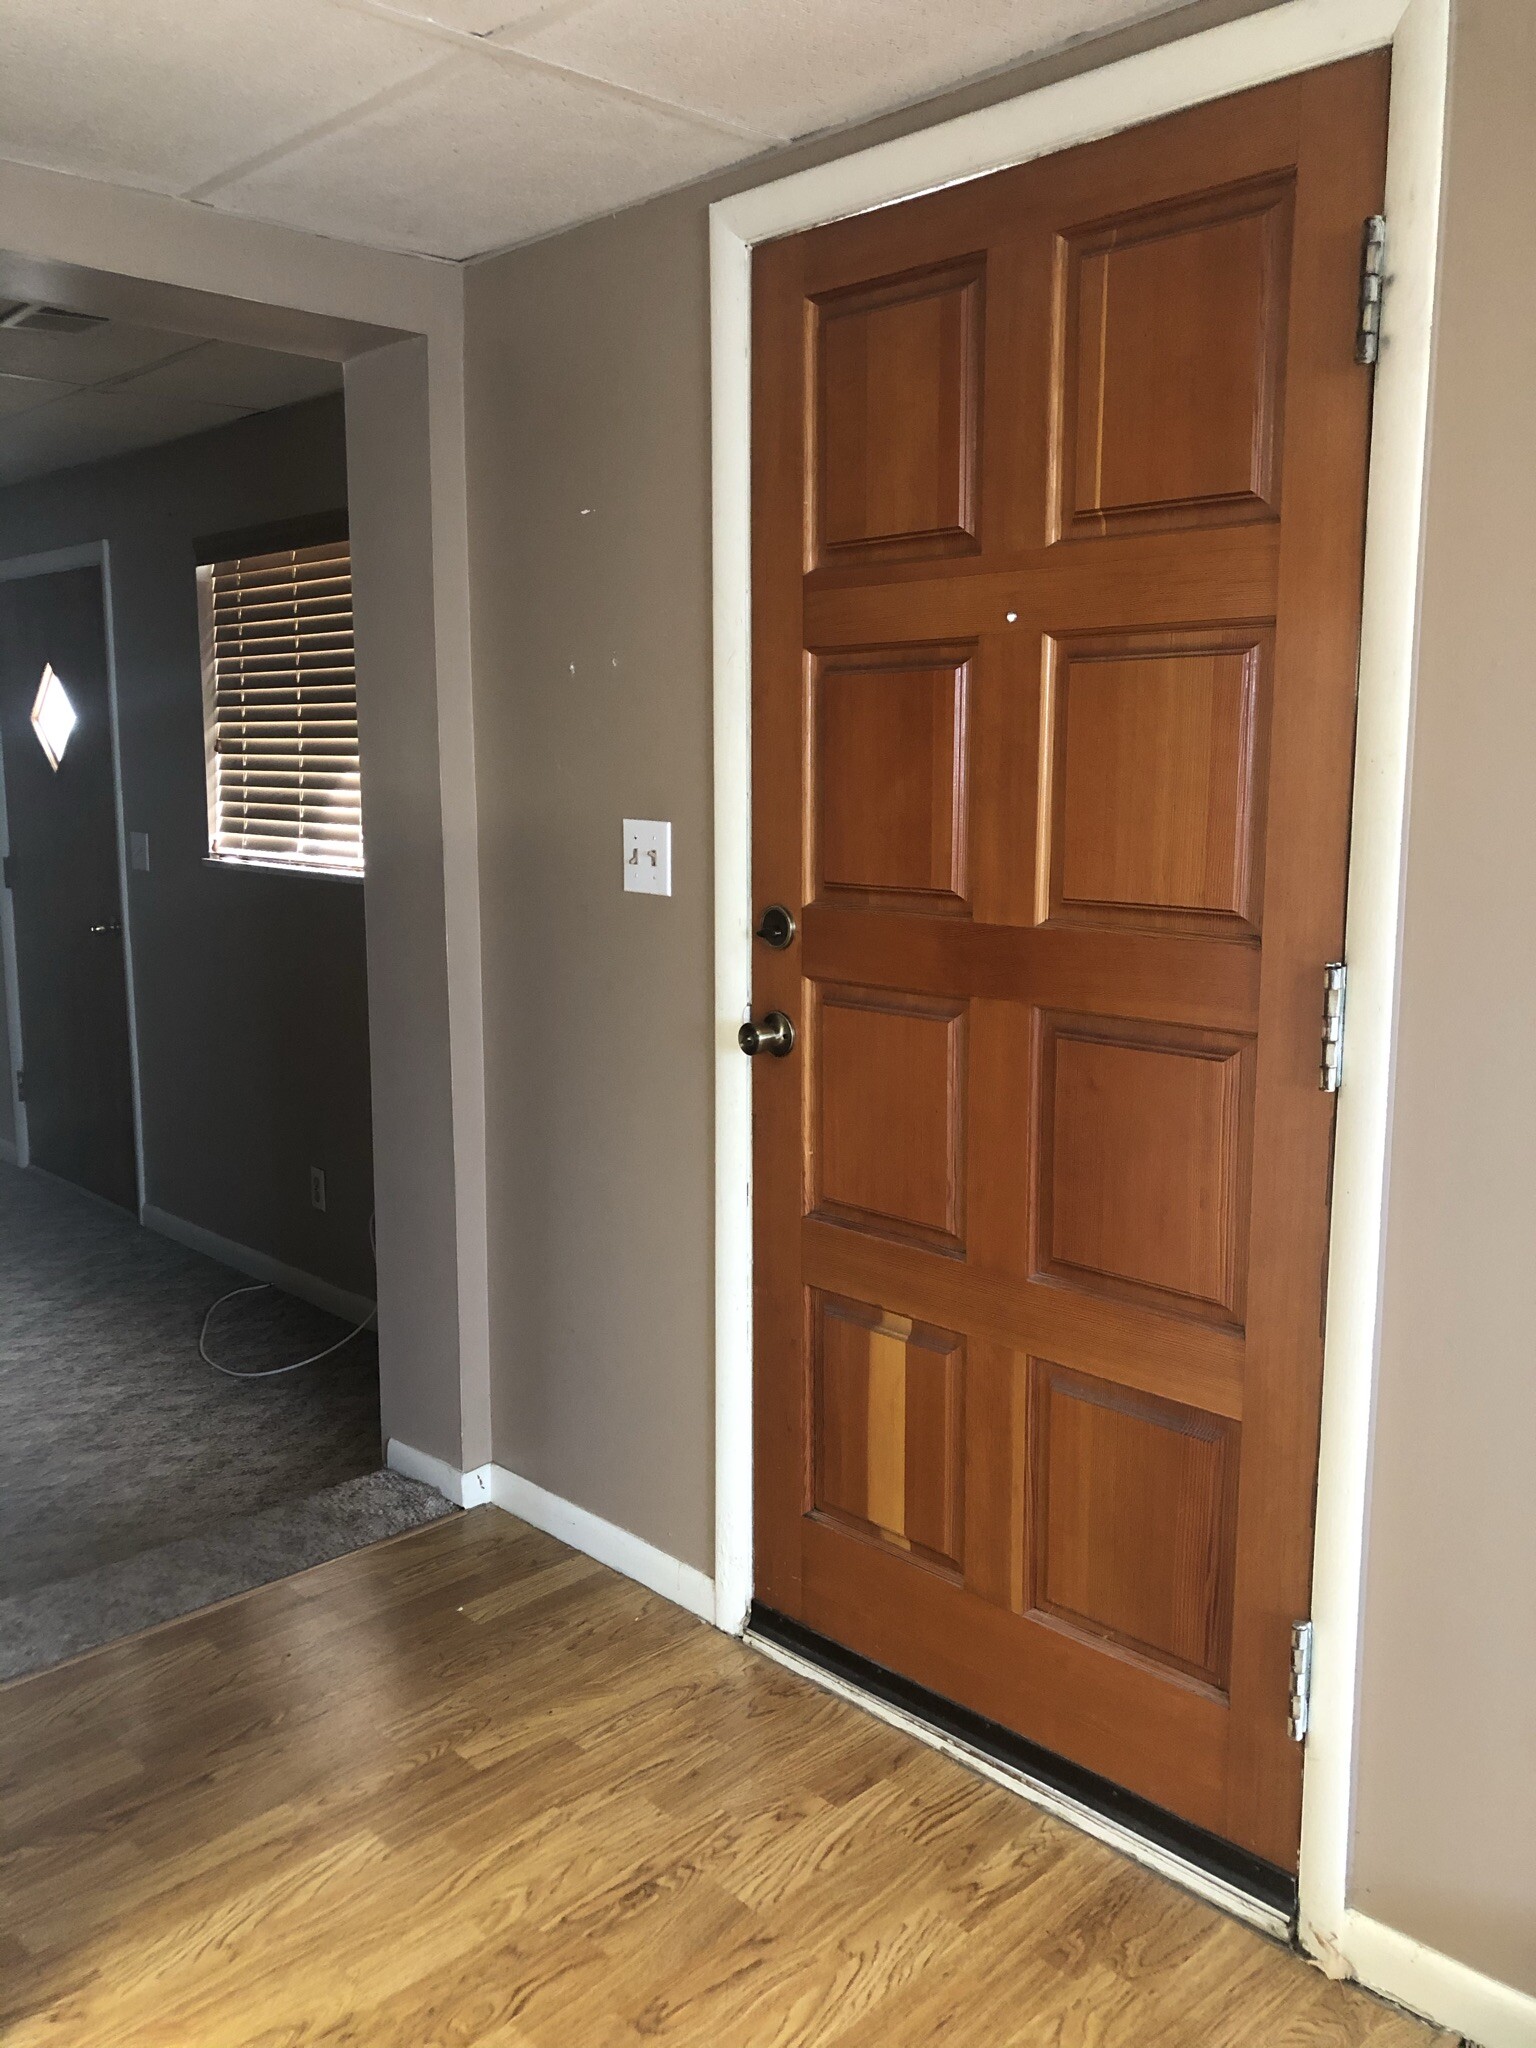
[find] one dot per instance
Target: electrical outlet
(317, 1188)
(648, 856)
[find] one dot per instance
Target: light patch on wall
(53, 717)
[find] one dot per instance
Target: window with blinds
(280, 692)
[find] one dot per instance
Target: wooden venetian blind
(284, 788)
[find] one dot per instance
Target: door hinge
(21, 1085)
(7, 880)
(1373, 285)
(1301, 1680)
(1331, 1071)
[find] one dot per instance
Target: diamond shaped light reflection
(53, 717)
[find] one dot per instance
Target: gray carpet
(47, 1625)
(117, 1441)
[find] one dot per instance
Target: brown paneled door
(1059, 496)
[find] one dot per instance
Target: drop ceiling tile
(89, 357)
(168, 93)
(22, 394)
(88, 426)
(228, 373)
(482, 154)
(801, 65)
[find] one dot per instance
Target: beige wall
(589, 491)
(1446, 1815)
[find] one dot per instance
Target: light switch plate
(648, 856)
(138, 852)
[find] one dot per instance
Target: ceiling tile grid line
(533, 150)
(162, 94)
(417, 88)
(498, 46)
(290, 144)
(472, 17)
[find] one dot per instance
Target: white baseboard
(683, 1584)
(464, 1489)
(9, 1156)
(352, 1308)
(1451, 1994)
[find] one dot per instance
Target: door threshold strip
(1241, 1884)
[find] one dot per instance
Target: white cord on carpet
(270, 1372)
(273, 1372)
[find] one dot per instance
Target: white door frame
(93, 554)
(1296, 36)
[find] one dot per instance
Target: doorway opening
(186, 1173)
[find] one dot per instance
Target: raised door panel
(1173, 326)
(889, 811)
(1143, 1142)
(1152, 807)
(1132, 1519)
(897, 395)
(888, 1114)
(888, 1426)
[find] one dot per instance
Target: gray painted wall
(250, 987)
(420, 1391)
(1446, 1814)
(589, 500)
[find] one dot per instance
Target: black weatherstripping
(1248, 1873)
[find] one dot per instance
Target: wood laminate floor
(468, 1788)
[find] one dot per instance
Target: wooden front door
(1059, 487)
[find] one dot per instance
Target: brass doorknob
(773, 1034)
